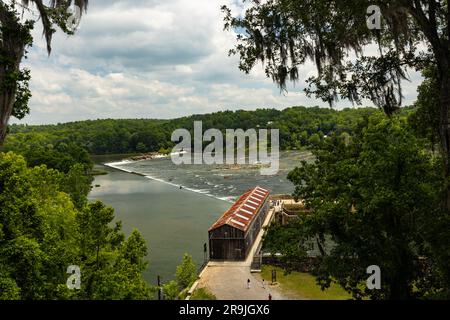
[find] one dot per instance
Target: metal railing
(257, 259)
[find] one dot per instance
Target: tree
(290, 240)
(77, 184)
(314, 139)
(140, 147)
(134, 250)
(93, 222)
(171, 290)
(120, 276)
(377, 196)
(284, 34)
(42, 233)
(186, 273)
(15, 36)
(425, 119)
(185, 276)
(9, 289)
(37, 230)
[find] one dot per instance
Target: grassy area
(298, 285)
(203, 294)
(99, 172)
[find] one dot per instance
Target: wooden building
(233, 235)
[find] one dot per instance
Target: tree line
(299, 127)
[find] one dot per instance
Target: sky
(152, 59)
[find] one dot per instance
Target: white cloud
(151, 59)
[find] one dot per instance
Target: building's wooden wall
(226, 243)
(227, 249)
(231, 244)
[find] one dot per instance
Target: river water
(175, 221)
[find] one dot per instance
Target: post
(260, 259)
(205, 250)
(159, 288)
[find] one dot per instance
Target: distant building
(233, 235)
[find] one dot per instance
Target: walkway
(230, 283)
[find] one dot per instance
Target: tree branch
(46, 24)
(415, 9)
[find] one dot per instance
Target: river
(175, 221)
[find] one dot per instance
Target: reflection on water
(175, 221)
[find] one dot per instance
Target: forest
(299, 127)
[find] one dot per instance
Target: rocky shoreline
(149, 156)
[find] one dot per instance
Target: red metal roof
(243, 211)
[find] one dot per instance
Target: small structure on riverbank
(233, 235)
(288, 209)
